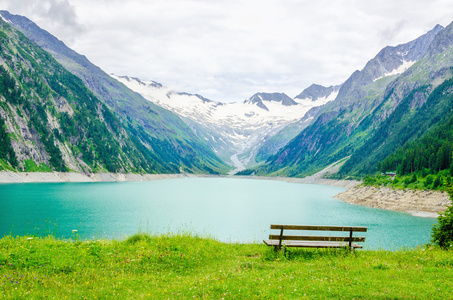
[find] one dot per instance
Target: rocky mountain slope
(316, 92)
(424, 96)
(155, 127)
(364, 103)
(51, 121)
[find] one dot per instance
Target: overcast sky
(227, 50)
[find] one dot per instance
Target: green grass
(4, 165)
(31, 166)
(421, 182)
(188, 267)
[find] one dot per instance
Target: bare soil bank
(18, 177)
(418, 203)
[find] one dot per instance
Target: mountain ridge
(365, 100)
(316, 91)
(154, 126)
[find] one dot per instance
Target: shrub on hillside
(429, 180)
(437, 182)
(442, 232)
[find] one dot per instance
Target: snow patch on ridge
(3, 18)
(319, 101)
(401, 69)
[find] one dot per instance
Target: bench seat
(311, 244)
(315, 241)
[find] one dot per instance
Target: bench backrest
(281, 237)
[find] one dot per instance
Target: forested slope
(375, 112)
(52, 121)
(165, 138)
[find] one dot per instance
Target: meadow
(185, 266)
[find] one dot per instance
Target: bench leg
(276, 249)
(280, 239)
(350, 241)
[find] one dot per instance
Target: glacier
(236, 129)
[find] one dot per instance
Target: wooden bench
(315, 241)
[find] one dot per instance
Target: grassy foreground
(185, 266)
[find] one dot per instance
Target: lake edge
(383, 198)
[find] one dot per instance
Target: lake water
(228, 209)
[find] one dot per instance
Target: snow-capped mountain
(237, 129)
(389, 62)
(258, 99)
(361, 121)
(316, 92)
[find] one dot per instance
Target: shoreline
(427, 204)
(59, 177)
(417, 203)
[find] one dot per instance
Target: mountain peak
(390, 61)
(203, 99)
(259, 98)
(437, 28)
(139, 81)
(317, 92)
(443, 41)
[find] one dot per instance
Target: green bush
(442, 232)
(414, 178)
(437, 182)
(429, 180)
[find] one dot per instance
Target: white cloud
(56, 16)
(228, 50)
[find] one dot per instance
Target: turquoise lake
(227, 209)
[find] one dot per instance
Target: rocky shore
(418, 203)
(19, 177)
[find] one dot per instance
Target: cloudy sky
(227, 50)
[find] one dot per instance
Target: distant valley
(236, 131)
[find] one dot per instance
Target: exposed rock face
(387, 62)
(154, 127)
(316, 91)
(364, 103)
(260, 98)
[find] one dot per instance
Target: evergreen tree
(437, 182)
(414, 178)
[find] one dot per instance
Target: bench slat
(307, 244)
(320, 228)
(316, 238)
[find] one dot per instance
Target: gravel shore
(418, 203)
(19, 177)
